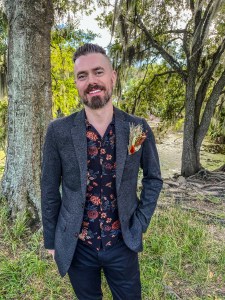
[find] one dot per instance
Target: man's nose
(92, 79)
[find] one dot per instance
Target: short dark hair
(88, 48)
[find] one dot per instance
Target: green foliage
(3, 33)
(217, 126)
(155, 91)
(63, 7)
(180, 256)
(64, 43)
(26, 272)
(3, 122)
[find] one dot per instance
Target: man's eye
(81, 77)
(99, 72)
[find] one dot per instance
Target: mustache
(95, 86)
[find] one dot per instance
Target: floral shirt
(101, 225)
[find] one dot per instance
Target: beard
(97, 102)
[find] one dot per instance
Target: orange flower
(140, 139)
(95, 200)
(116, 225)
(91, 135)
(132, 149)
(102, 151)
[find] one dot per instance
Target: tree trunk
(190, 154)
(30, 103)
(3, 75)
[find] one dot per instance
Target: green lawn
(181, 260)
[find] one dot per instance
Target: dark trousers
(120, 266)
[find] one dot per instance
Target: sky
(89, 22)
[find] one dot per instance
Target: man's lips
(94, 92)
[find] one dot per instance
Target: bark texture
(30, 103)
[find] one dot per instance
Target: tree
(29, 96)
(189, 37)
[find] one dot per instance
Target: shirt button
(76, 234)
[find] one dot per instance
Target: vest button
(76, 235)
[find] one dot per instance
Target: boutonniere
(136, 138)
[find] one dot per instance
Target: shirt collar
(89, 124)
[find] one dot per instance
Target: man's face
(94, 79)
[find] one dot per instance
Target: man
(97, 221)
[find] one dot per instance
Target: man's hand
(52, 252)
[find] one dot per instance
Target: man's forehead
(92, 61)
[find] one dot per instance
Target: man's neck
(102, 116)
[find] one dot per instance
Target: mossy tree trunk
(30, 103)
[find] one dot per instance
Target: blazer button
(76, 235)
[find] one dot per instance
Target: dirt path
(170, 153)
(203, 193)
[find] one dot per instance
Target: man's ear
(114, 77)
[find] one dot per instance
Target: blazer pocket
(135, 226)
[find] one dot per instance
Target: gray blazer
(65, 163)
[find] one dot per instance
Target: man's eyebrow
(98, 68)
(81, 72)
(95, 69)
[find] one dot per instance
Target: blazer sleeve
(50, 184)
(151, 181)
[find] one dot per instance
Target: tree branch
(176, 31)
(161, 74)
(192, 5)
(202, 90)
(209, 109)
(209, 14)
(169, 58)
(202, 25)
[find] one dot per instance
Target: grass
(2, 162)
(181, 260)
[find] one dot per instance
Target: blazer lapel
(122, 140)
(80, 144)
